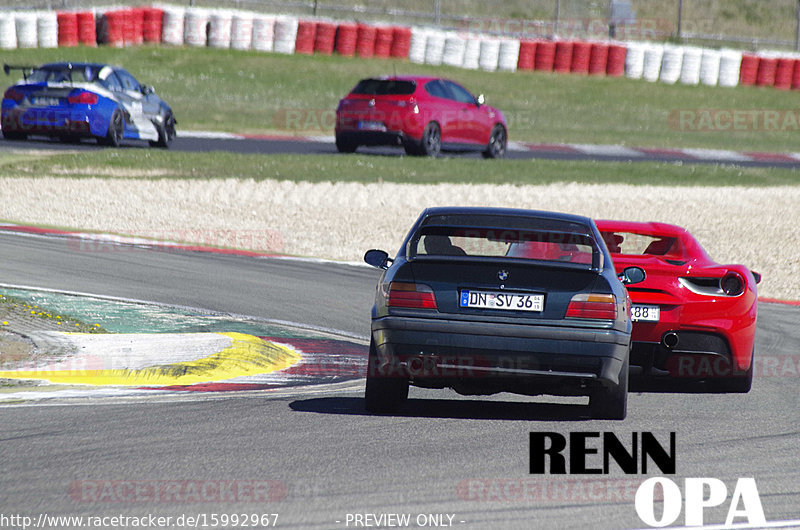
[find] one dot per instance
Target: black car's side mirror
(631, 275)
(377, 258)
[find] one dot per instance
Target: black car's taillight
(593, 306)
(411, 295)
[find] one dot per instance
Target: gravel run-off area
(753, 226)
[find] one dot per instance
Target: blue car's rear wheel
(115, 130)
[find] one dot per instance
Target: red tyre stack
(152, 22)
(748, 72)
(365, 45)
(767, 67)
(112, 28)
(615, 66)
(67, 29)
(383, 41)
(545, 56)
(134, 23)
(581, 53)
(563, 59)
(796, 75)
(306, 34)
(346, 39)
(598, 58)
(784, 73)
(326, 38)
(87, 31)
(527, 55)
(401, 42)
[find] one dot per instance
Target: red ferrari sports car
(692, 317)
(423, 114)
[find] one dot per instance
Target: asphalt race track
(323, 459)
(194, 142)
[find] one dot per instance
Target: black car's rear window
(384, 87)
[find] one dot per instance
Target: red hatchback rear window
(384, 87)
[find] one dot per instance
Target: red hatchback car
(693, 318)
(423, 114)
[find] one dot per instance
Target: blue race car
(71, 101)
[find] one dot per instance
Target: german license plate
(366, 125)
(645, 313)
(505, 301)
(47, 102)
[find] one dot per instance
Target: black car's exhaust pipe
(670, 340)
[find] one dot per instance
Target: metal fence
(744, 23)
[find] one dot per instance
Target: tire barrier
(67, 29)
(245, 30)
(8, 31)
(242, 30)
(581, 55)
(346, 39)
(219, 29)
(325, 38)
(671, 64)
(598, 58)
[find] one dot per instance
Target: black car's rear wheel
(611, 403)
(384, 392)
(498, 142)
(115, 130)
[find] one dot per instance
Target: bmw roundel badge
(503, 275)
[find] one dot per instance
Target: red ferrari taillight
(595, 306)
(412, 295)
(83, 97)
(14, 95)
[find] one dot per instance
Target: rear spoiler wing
(26, 70)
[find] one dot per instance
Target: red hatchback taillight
(83, 97)
(14, 95)
(412, 295)
(594, 306)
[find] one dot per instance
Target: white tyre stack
(419, 41)
(653, 55)
(26, 30)
(172, 29)
(709, 67)
(509, 55)
(285, 34)
(242, 30)
(454, 47)
(671, 63)
(634, 60)
(263, 33)
(195, 27)
(47, 29)
(219, 29)
(730, 63)
(8, 30)
(690, 70)
(472, 53)
(490, 55)
(434, 47)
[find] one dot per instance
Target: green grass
(369, 168)
(253, 92)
